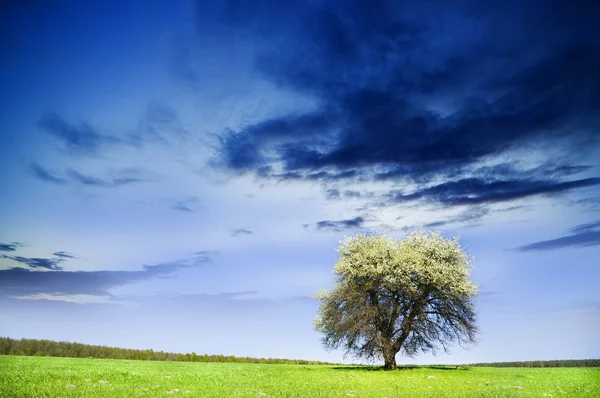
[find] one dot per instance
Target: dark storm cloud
(472, 191)
(10, 247)
(413, 91)
(34, 263)
(582, 236)
(241, 231)
(78, 139)
(115, 179)
(242, 150)
(337, 226)
(23, 282)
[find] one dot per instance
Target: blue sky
(177, 175)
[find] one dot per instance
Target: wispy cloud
(589, 227)
(339, 225)
(35, 263)
(125, 176)
(469, 216)
(63, 254)
(160, 123)
(187, 205)
(589, 204)
(10, 247)
(182, 207)
(69, 298)
(17, 282)
(79, 139)
(473, 191)
(241, 232)
(584, 235)
(336, 194)
(45, 175)
(129, 177)
(333, 194)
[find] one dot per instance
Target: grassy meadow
(22, 376)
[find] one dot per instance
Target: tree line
(32, 347)
(555, 363)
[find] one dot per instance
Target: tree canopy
(398, 296)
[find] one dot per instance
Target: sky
(177, 175)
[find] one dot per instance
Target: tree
(398, 296)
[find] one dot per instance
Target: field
(69, 377)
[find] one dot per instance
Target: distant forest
(556, 363)
(51, 348)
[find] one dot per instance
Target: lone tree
(409, 296)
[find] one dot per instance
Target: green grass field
(69, 377)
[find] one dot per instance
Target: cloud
(242, 150)
(585, 306)
(470, 215)
(401, 100)
(181, 207)
(324, 176)
(241, 231)
(10, 247)
(348, 194)
(125, 176)
(160, 123)
(35, 263)
(589, 204)
(43, 174)
(339, 225)
(584, 235)
(333, 194)
(187, 205)
(52, 264)
(17, 282)
(589, 227)
(472, 191)
(336, 194)
(79, 139)
(63, 254)
(72, 298)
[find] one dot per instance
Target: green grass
(70, 377)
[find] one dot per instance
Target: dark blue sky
(177, 175)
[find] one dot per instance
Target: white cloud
(74, 298)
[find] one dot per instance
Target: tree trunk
(389, 358)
